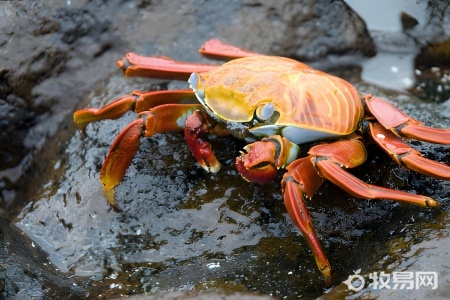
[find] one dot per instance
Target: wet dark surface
(183, 230)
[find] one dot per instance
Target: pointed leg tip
(79, 119)
(430, 202)
(80, 126)
(326, 272)
(215, 168)
(124, 63)
(110, 196)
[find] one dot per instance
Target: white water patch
(390, 70)
(393, 66)
(384, 15)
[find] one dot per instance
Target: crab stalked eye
(196, 84)
(264, 112)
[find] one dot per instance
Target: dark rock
(175, 232)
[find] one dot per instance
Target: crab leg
(137, 101)
(331, 158)
(221, 50)
(403, 125)
(406, 156)
(303, 180)
(160, 67)
(259, 164)
(166, 68)
(163, 118)
(326, 161)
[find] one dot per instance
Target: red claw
(263, 174)
(262, 159)
(196, 125)
(258, 164)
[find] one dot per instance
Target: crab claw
(195, 126)
(261, 160)
(257, 163)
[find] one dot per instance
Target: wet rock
(24, 272)
(53, 52)
(432, 64)
(417, 257)
(302, 29)
(180, 229)
(210, 295)
(183, 232)
(15, 283)
(41, 82)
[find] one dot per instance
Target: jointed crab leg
(259, 164)
(160, 67)
(331, 158)
(157, 67)
(326, 161)
(221, 50)
(303, 180)
(166, 68)
(160, 119)
(406, 156)
(403, 125)
(137, 101)
(360, 189)
(306, 175)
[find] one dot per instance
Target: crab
(275, 104)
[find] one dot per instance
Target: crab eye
(264, 112)
(196, 84)
(193, 80)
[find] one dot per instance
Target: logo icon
(355, 282)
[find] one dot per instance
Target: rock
(53, 53)
(180, 229)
